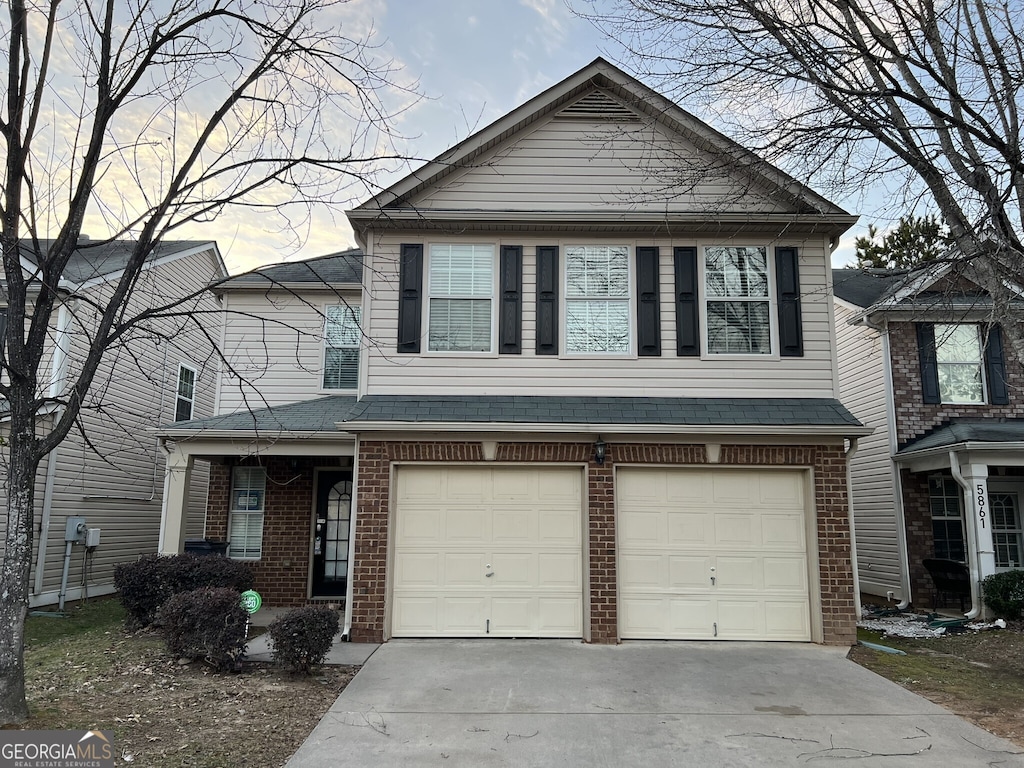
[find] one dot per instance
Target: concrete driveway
(562, 703)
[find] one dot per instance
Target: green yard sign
(251, 600)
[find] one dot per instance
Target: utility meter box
(92, 537)
(74, 530)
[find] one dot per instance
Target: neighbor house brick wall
(373, 499)
(920, 538)
(914, 417)
(282, 573)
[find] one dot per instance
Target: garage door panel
(523, 525)
(744, 528)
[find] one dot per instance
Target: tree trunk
(17, 563)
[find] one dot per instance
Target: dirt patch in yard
(166, 714)
(977, 675)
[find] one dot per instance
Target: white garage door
(488, 552)
(712, 553)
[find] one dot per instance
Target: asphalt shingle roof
(863, 287)
(317, 415)
(996, 430)
(344, 267)
(93, 258)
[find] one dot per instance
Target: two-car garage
(702, 553)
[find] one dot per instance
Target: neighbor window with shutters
(737, 300)
(947, 518)
(460, 287)
(597, 299)
(245, 527)
(184, 403)
(958, 358)
(341, 347)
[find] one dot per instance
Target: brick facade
(915, 417)
(373, 499)
(282, 573)
(920, 539)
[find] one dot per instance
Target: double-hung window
(341, 347)
(184, 403)
(958, 357)
(944, 497)
(1006, 528)
(736, 293)
(461, 296)
(597, 314)
(245, 527)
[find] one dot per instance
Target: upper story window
(597, 314)
(341, 347)
(184, 404)
(958, 357)
(737, 300)
(245, 525)
(460, 288)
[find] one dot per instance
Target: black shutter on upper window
(547, 299)
(410, 297)
(929, 367)
(995, 367)
(787, 281)
(648, 306)
(687, 307)
(510, 319)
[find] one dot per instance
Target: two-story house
(109, 471)
(579, 381)
(942, 475)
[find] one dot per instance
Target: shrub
(1004, 593)
(303, 636)
(146, 584)
(207, 623)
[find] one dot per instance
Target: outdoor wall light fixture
(600, 450)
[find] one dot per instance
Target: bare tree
(151, 116)
(921, 98)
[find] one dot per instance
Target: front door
(330, 533)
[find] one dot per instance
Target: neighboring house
(942, 475)
(113, 475)
(579, 382)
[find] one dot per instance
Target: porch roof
(997, 431)
(318, 415)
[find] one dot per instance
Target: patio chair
(950, 578)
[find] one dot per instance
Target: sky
(475, 60)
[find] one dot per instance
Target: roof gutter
(966, 446)
(839, 430)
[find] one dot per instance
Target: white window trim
(357, 307)
(232, 511)
(981, 365)
(997, 487)
(772, 299)
(563, 301)
(427, 296)
(177, 391)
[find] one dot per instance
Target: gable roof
(994, 432)
(341, 268)
(96, 259)
(863, 287)
(600, 89)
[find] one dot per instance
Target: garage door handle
(712, 581)
(488, 575)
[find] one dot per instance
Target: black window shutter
(687, 308)
(648, 306)
(929, 368)
(547, 299)
(787, 281)
(995, 367)
(510, 319)
(410, 297)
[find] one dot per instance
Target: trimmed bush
(303, 636)
(207, 623)
(146, 584)
(1004, 593)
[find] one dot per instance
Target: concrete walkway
(562, 703)
(343, 654)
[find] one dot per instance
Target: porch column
(979, 516)
(173, 515)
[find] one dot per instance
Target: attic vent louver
(598, 106)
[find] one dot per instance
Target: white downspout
(973, 558)
(853, 527)
(346, 632)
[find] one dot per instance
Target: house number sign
(982, 504)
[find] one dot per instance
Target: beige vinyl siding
(862, 389)
(274, 347)
(115, 478)
(666, 376)
(572, 165)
